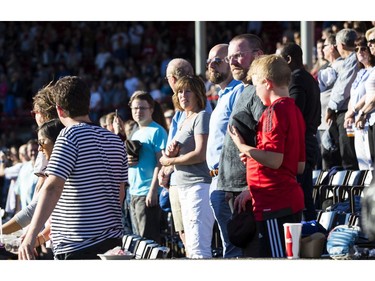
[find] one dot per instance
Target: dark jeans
(305, 180)
(309, 213)
(347, 151)
(91, 253)
(146, 220)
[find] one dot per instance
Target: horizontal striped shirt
(93, 163)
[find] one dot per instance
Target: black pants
(347, 151)
(305, 180)
(91, 253)
(269, 240)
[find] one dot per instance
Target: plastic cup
(350, 131)
(292, 232)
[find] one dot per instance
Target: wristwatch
(361, 113)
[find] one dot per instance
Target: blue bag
(164, 202)
(341, 240)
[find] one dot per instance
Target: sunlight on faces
(371, 42)
(45, 145)
(187, 99)
(261, 89)
(141, 111)
(32, 151)
(218, 69)
(239, 58)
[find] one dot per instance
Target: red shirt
(281, 129)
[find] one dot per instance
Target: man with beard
(231, 179)
(219, 74)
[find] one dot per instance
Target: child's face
(261, 89)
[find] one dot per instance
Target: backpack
(341, 241)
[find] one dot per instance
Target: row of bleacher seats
(338, 186)
(337, 193)
(143, 248)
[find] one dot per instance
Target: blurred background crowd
(115, 58)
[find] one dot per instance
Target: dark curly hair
(72, 94)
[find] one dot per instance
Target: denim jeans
(222, 215)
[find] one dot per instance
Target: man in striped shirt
(85, 182)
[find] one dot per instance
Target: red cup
(292, 232)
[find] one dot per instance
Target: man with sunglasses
(242, 50)
(219, 73)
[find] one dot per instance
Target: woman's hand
(348, 122)
(360, 121)
(173, 149)
(165, 160)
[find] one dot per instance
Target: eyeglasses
(33, 113)
(360, 49)
(239, 55)
(215, 61)
(140, 108)
(371, 41)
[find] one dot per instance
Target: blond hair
(272, 67)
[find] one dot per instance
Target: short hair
(179, 67)
(272, 67)
(44, 103)
(196, 85)
(253, 41)
(73, 95)
(51, 129)
(294, 51)
(142, 95)
(347, 37)
(331, 39)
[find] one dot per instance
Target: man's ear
(60, 111)
(288, 59)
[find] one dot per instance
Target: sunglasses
(360, 49)
(41, 143)
(371, 41)
(216, 61)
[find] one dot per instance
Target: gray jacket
(245, 116)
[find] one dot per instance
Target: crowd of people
(127, 130)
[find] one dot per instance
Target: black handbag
(133, 147)
(242, 227)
